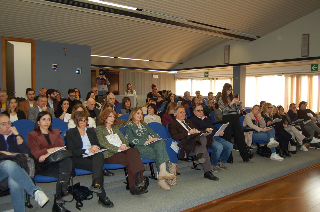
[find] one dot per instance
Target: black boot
(286, 154)
(58, 207)
(62, 194)
(293, 142)
(230, 159)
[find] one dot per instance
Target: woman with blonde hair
(149, 144)
(79, 107)
(130, 92)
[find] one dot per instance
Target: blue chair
(44, 179)
(124, 116)
(59, 124)
(82, 172)
(167, 129)
(113, 166)
(24, 126)
(213, 120)
(150, 162)
(161, 131)
(122, 130)
(189, 111)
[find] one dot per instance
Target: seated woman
(195, 101)
(79, 107)
(152, 114)
(283, 136)
(62, 111)
(110, 137)
(43, 141)
(171, 97)
(126, 105)
(149, 145)
(13, 111)
(119, 122)
(82, 140)
(254, 121)
(209, 108)
(278, 112)
(169, 114)
(145, 107)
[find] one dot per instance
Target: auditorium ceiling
(155, 34)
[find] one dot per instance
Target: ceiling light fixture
(114, 4)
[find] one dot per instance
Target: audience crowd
(102, 132)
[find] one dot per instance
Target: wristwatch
(19, 135)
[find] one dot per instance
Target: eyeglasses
(5, 124)
(83, 120)
(72, 95)
(230, 89)
(270, 107)
(200, 111)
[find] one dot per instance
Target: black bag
(80, 193)
(58, 156)
(264, 151)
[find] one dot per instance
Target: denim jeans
(18, 181)
(265, 136)
(221, 150)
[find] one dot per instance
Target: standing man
(72, 99)
(3, 100)
(42, 106)
(43, 92)
(30, 102)
(102, 82)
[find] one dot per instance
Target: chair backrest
(124, 116)
(119, 105)
(159, 129)
(189, 111)
(241, 120)
(24, 126)
(167, 128)
(122, 130)
(59, 124)
(213, 120)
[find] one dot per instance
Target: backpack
(264, 151)
(80, 193)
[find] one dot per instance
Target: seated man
(94, 112)
(52, 101)
(156, 97)
(30, 102)
(187, 98)
(221, 148)
(18, 179)
(3, 101)
(111, 99)
(309, 123)
(43, 92)
(95, 91)
(190, 141)
(72, 99)
(42, 106)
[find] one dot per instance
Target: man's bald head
(91, 103)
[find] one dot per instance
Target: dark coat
(20, 114)
(13, 145)
(74, 141)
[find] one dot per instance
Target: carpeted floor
(192, 189)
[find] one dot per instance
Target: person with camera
(230, 105)
(44, 141)
(102, 82)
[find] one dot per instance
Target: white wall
(284, 43)
(22, 67)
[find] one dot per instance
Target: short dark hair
(154, 108)
(40, 115)
(209, 93)
(78, 115)
(50, 91)
(302, 103)
(29, 89)
(71, 90)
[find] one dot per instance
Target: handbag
(58, 156)
(172, 170)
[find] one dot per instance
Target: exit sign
(206, 74)
(314, 67)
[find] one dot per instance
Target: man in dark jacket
(221, 148)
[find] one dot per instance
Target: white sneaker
(314, 141)
(304, 148)
(41, 198)
(272, 143)
(275, 156)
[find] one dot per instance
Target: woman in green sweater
(149, 145)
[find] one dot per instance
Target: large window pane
(200, 85)
(182, 86)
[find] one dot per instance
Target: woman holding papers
(230, 105)
(149, 145)
(255, 122)
(118, 151)
(43, 141)
(83, 141)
